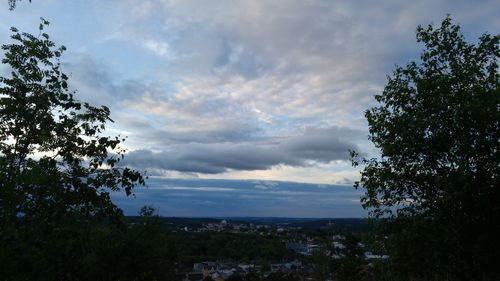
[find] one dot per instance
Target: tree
(352, 258)
(235, 277)
(275, 276)
(146, 250)
(252, 276)
(322, 265)
(56, 168)
(436, 184)
(12, 4)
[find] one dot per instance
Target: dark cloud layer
(193, 197)
(312, 146)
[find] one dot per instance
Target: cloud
(312, 146)
(182, 197)
(344, 181)
(159, 48)
(207, 189)
(251, 89)
(234, 86)
(266, 185)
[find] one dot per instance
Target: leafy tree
(436, 183)
(56, 168)
(12, 4)
(144, 252)
(252, 276)
(352, 258)
(235, 277)
(323, 265)
(275, 276)
(266, 266)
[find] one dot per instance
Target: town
(297, 250)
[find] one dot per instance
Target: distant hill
(352, 224)
(344, 224)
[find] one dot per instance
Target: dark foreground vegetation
(437, 181)
(434, 192)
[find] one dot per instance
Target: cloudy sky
(251, 93)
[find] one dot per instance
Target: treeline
(144, 249)
(78, 249)
(57, 169)
(196, 247)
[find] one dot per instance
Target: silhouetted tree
(56, 168)
(12, 4)
(146, 251)
(275, 276)
(266, 266)
(352, 258)
(323, 265)
(235, 277)
(252, 276)
(436, 183)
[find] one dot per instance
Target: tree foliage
(352, 258)
(54, 159)
(12, 4)
(436, 182)
(57, 169)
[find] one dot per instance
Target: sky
(240, 108)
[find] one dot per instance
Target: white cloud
(159, 48)
(233, 74)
